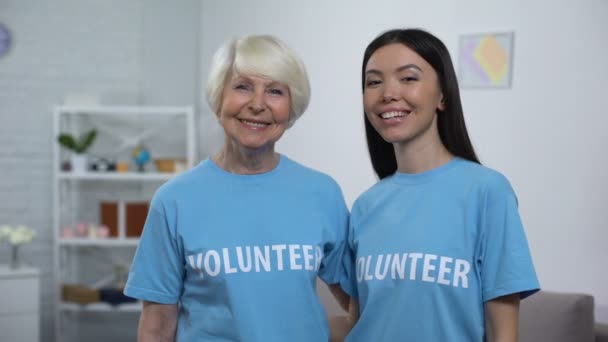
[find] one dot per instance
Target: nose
(389, 93)
(257, 103)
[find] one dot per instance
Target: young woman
(232, 248)
(437, 248)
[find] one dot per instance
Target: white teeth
(254, 124)
(389, 115)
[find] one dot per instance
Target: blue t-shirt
(241, 253)
(427, 250)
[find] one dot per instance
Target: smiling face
(401, 96)
(254, 111)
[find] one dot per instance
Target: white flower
(4, 232)
(17, 235)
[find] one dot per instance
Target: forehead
(255, 78)
(393, 56)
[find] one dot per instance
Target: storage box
(109, 216)
(79, 294)
(124, 219)
(136, 218)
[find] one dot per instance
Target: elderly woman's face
(254, 110)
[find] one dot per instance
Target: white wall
(58, 47)
(169, 56)
(126, 52)
(546, 133)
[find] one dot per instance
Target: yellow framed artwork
(486, 60)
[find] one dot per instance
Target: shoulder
(492, 184)
(374, 194)
(308, 176)
(182, 184)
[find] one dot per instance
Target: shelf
(101, 307)
(116, 176)
(78, 195)
(109, 242)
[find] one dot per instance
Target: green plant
(79, 145)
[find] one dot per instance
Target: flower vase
(15, 261)
(79, 163)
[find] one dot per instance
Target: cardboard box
(134, 214)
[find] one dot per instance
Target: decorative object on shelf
(122, 166)
(16, 236)
(102, 165)
(86, 230)
(134, 214)
(5, 40)
(141, 156)
(80, 294)
(164, 165)
(175, 165)
(78, 146)
(114, 296)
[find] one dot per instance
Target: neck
(244, 161)
(422, 153)
(423, 159)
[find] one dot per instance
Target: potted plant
(78, 146)
(16, 236)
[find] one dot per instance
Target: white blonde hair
(261, 55)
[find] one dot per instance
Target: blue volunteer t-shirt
(427, 250)
(241, 253)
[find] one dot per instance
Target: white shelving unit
(76, 195)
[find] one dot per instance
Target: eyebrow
(270, 82)
(399, 69)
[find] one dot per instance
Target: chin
(256, 145)
(394, 138)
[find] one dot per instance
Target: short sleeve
(330, 270)
(506, 263)
(157, 270)
(348, 280)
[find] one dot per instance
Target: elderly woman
(232, 248)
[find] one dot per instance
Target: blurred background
(136, 71)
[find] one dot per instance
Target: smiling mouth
(255, 124)
(393, 114)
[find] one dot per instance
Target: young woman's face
(401, 94)
(254, 111)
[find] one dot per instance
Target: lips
(393, 114)
(254, 123)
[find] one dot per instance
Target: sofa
(543, 317)
(560, 317)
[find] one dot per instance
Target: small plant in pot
(78, 146)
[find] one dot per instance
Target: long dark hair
(450, 122)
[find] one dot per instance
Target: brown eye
(371, 83)
(276, 91)
(241, 86)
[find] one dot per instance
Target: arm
(341, 297)
(502, 315)
(157, 323)
(340, 326)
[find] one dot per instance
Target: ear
(219, 106)
(441, 105)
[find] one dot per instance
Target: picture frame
(485, 60)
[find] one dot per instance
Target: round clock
(5, 40)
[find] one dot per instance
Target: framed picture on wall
(485, 60)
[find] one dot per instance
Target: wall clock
(5, 40)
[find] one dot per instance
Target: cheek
(368, 101)
(281, 109)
